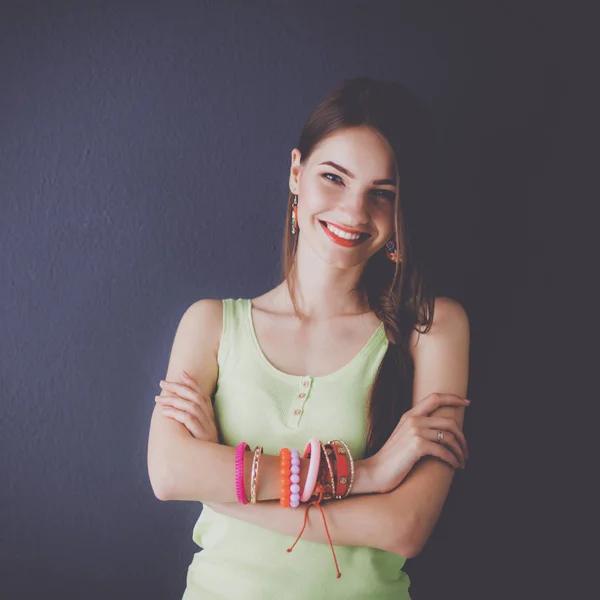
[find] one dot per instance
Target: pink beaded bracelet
(239, 472)
(294, 478)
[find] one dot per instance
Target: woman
(351, 346)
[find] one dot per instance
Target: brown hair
(398, 293)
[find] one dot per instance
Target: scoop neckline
(375, 337)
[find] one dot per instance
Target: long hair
(398, 293)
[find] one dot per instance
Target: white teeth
(342, 234)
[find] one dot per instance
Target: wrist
(364, 480)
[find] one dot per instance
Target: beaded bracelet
(284, 469)
(295, 478)
(254, 476)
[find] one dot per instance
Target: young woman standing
(342, 389)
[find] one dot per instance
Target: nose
(354, 209)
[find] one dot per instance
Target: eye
(387, 194)
(381, 193)
(326, 176)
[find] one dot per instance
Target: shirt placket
(300, 400)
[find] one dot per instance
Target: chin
(347, 262)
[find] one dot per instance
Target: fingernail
(161, 382)
(466, 401)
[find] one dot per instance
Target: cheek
(388, 215)
(314, 201)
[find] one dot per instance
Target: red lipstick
(341, 241)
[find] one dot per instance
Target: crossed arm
(359, 520)
(401, 520)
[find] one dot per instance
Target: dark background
(144, 162)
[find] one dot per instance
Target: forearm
(361, 520)
(205, 472)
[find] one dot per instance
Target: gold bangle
(254, 474)
(351, 466)
(326, 452)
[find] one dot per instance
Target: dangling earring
(294, 214)
(391, 251)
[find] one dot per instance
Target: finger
(450, 425)
(184, 418)
(177, 387)
(435, 400)
(205, 405)
(449, 442)
(181, 404)
(439, 450)
(189, 390)
(190, 380)
(206, 423)
(203, 401)
(182, 390)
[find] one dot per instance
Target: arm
(441, 364)
(205, 472)
(441, 359)
(182, 467)
(354, 521)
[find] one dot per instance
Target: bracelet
(345, 468)
(295, 479)
(342, 469)
(313, 450)
(284, 469)
(320, 489)
(328, 453)
(254, 476)
(239, 472)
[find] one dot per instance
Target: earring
(391, 251)
(294, 214)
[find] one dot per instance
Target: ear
(295, 169)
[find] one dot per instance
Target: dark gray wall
(144, 159)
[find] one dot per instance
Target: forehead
(362, 150)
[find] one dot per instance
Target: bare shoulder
(450, 320)
(205, 318)
(441, 356)
(196, 343)
(449, 313)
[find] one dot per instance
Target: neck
(324, 291)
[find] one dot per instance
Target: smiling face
(348, 182)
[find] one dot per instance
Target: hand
(415, 436)
(190, 406)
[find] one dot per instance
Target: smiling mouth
(343, 241)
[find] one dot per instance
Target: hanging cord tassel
(317, 503)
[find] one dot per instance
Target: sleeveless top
(257, 403)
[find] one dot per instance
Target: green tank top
(257, 403)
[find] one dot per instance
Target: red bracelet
(329, 468)
(344, 468)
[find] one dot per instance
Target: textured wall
(144, 160)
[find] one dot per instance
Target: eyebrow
(352, 176)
